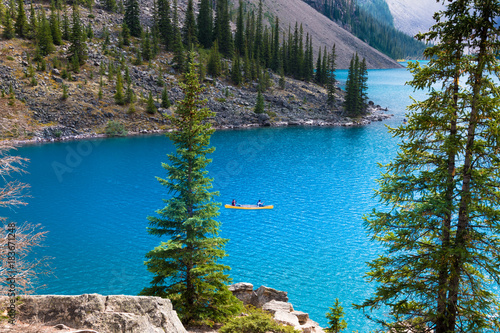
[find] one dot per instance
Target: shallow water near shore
(94, 196)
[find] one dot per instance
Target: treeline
(381, 36)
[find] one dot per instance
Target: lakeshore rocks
(104, 314)
(276, 303)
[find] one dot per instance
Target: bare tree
(18, 273)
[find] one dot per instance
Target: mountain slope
(412, 16)
(324, 32)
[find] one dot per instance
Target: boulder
(265, 294)
(275, 306)
(286, 318)
(110, 314)
(302, 316)
(244, 292)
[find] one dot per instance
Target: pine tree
(362, 86)
(189, 29)
(223, 29)
(440, 229)
(335, 322)
(258, 33)
(110, 5)
(151, 107)
(125, 34)
(185, 266)
(21, 26)
(146, 47)
(205, 24)
(259, 104)
(2, 13)
(132, 17)
(319, 73)
(165, 100)
(8, 29)
(214, 62)
(331, 77)
(55, 28)
(66, 27)
(165, 23)
(45, 44)
(239, 36)
(33, 24)
(78, 47)
(275, 59)
(119, 99)
(236, 69)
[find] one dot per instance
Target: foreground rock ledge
(105, 314)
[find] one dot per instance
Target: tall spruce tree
(205, 24)
(223, 29)
(8, 29)
(239, 36)
(33, 23)
(132, 17)
(21, 25)
(441, 266)
(351, 88)
(331, 81)
(45, 44)
(189, 29)
(178, 47)
(78, 47)
(165, 23)
(55, 27)
(186, 267)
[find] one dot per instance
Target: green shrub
(10, 58)
(255, 321)
(115, 128)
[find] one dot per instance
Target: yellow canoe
(249, 207)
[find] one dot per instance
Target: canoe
(249, 207)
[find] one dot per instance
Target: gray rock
(265, 294)
(244, 292)
(286, 318)
(110, 314)
(301, 316)
(275, 306)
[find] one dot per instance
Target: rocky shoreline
(94, 313)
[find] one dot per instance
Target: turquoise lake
(94, 196)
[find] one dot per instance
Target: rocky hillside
(47, 105)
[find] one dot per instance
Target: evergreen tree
(165, 100)
(151, 107)
(362, 86)
(275, 60)
(44, 39)
(331, 77)
(259, 104)
(119, 98)
(132, 17)
(32, 27)
(440, 231)
(205, 24)
(352, 89)
(110, 5)
(239, 36)
(21, 26)
(214, 62)
(66, 27)
(258, 33)
(55, 28)
(2, 13)
(185, 266)
(319, 72)
(78, 47)
(189, 29)
(223, 29)
(146, 47)
(125, 34)
(236, 69)
(335, 322)
(8, 29)
(165, 23)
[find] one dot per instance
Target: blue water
(94, 196)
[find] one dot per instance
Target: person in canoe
(233, 203)
(260, 204)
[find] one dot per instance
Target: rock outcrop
(104, 314)
(276, 303)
